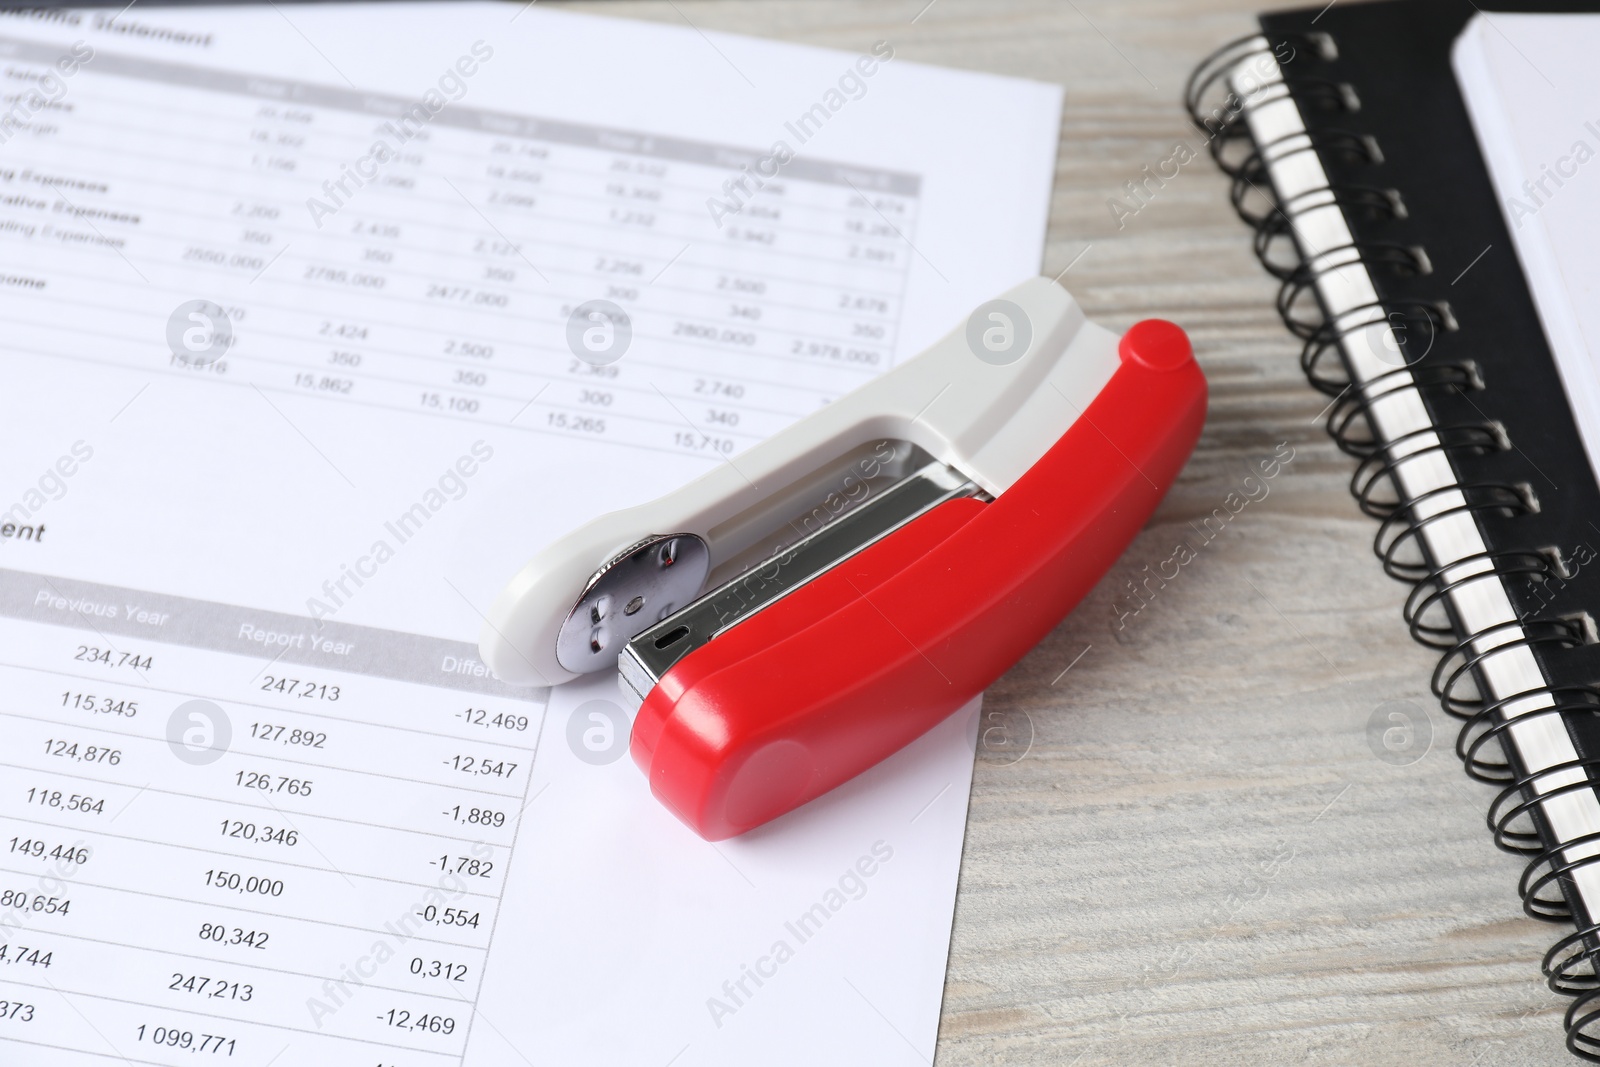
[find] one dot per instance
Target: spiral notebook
(1422, 177)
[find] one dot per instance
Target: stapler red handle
(869, 655)
(835, 591)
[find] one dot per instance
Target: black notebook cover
(1396, 56)
(1379, 76)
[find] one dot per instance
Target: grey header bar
(497, 123)
(114, 612)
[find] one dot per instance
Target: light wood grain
(1198, 859)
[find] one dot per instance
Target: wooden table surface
(1184, 850)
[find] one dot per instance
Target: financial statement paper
(289, 392)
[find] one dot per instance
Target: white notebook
(1532, 89)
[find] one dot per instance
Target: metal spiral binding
(1248, 174)
(1432, 591)
(1398, 258)
(1350, 412)
(1562, 633)
(1580, 699)
(1526, 842)
(1571, 969)
(1553, 909)
(1378, 468)
(1370, 199)
(1401, 531)
(1221, 63)
(1324, 337)
(1572, 965)
(1579, 1042)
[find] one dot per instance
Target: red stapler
(815, 603)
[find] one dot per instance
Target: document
(320, 321)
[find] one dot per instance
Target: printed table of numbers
(446, 280)
(234, 836)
